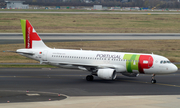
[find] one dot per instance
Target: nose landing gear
(153, 81)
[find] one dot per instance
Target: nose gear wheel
(153, 81)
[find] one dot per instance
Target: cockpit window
(168, 62)
(164, 61)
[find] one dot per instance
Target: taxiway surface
(73, 83)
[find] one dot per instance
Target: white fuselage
(86, 60)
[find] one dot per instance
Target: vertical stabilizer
(31, 38)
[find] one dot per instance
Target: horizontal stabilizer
(10, 51)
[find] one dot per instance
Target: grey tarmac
(73, 83)
(77, 92)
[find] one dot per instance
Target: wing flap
(97, 66)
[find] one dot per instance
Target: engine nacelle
(109, 74)
(130, 74)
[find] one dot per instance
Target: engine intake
(108, 74)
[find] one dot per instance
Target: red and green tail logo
(29, 34)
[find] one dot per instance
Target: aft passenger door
(44, 55)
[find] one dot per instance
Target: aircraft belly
(150, 71)
(135, 71)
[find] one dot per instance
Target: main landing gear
(89, 78)
(153, 81)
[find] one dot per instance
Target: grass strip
(178, 65)
(92, 23)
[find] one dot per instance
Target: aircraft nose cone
(174, 68)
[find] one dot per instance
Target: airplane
(104, 65)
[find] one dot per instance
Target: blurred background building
(16, 5)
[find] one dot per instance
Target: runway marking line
(82, 75)
(40, 76)
(25, 76)
(35, 92)
(156, 83)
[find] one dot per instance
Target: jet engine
(130, 74)
(108, 74)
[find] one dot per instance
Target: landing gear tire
(153, 81)
(89, 78)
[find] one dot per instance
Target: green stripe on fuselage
(23, 26)
(132, 62)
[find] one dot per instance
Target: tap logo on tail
(29, 34)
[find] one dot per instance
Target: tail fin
(31, 38)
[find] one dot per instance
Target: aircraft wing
(91, 66)
(87, 65)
